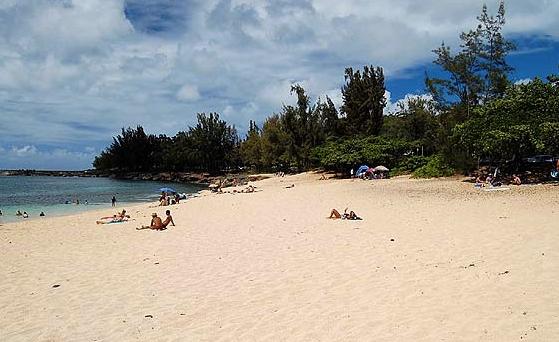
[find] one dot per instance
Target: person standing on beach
(113, 201)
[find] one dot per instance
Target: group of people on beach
(76, 202)
(24, 214)
(168, 199)
(491, 181)
(158, 224)
(155, 224)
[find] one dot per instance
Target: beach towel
(497, 189)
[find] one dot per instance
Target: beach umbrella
(361, 169)
(166, 189)
(381, 168)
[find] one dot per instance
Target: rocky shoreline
(173, 177)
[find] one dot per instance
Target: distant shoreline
(173, 177)
(53, 173)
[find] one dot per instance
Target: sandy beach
(432, 260)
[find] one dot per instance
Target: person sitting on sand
(323, 177)
(479, 182)
(123, 214)
(516, 180)
(42, 214)
(168, 219)
(157, 224)
(25, 215)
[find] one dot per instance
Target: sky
(74, 72)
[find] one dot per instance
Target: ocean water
(50, 194)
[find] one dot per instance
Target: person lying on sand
(248, 189)
(113, 219)
(121, 215)
(157, 224)
(335, 214)
(290, 186)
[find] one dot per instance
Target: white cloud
(188, 93)
(393, 107)
(523, 81)
(25, 151)
(31, 157)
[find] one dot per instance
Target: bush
(346, 153)
(436, 167)
(409, 165)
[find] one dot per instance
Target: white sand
(464, 265)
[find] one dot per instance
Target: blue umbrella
(361, 169)
(167, 190)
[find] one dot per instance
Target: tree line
(474, 112)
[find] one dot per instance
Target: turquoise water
(50, 194)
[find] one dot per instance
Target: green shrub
(409, 165)
(436, 167)
(345, 153)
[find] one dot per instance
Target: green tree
(132, 150)
(213, 142)
(344, 153)
(493, 52)
(329, 119)
(415, 120)
(251, 147)
(523, 122)
(302, 125)
(364, 101)
(273, 143)
(479, 71)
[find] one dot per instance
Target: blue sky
(73, 72)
